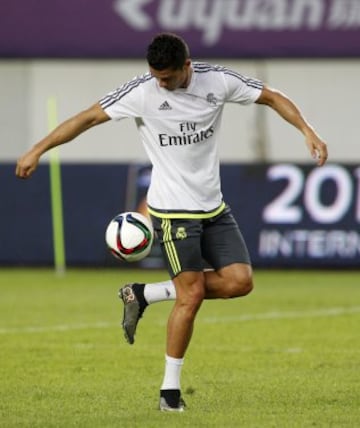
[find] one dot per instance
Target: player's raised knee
(241, 283)
(246, 285)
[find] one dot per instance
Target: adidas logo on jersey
(165, 106)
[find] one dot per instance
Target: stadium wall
(326, 90)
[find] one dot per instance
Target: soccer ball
(129, 236)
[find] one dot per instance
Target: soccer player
(177, 107)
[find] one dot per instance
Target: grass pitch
(288, 355)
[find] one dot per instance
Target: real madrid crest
(181, 233)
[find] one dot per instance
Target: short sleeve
(242, 89)
(127, 100)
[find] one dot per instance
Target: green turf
(286, 356)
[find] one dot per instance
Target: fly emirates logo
(212, 17)
(188, 135)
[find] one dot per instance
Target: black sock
(172, 396)
(139, 293)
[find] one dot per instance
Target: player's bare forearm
(63, 133)
(291, 113)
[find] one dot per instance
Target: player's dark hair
(167, 50)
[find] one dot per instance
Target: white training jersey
(180, 132)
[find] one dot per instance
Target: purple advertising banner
(213, 28)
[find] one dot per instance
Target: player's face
(171, 79)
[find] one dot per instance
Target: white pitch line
(318, 313)
(56, 328)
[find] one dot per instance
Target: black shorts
(194, 244)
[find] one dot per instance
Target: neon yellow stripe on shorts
(170, 247)
(187, 214)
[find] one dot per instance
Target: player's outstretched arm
(64, 133)
(291, 113)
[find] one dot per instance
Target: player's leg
(230, 281)
(190, 292)
(191, 289)
(224, 247)
(169, 232)
(180, 241)
(234, 280)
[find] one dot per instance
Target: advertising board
(213, 28)
(291, 215)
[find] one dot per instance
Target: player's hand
(318, 149)
(27, 164)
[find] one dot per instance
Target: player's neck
(188, 78)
